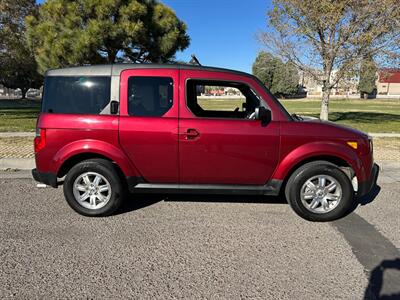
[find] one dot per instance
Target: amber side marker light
(353, 145)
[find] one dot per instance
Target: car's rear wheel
(319, 191)
(93, 188)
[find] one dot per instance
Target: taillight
(40, 140)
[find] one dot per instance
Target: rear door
(149, 122)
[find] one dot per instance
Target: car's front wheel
(319, 191)
(93, 188)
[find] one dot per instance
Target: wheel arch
(78, 151)
(336, 154)
(341, 163)
(76, 159)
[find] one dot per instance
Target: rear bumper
(366, 186)
(46, 178)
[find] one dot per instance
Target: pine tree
(282, 79)
(103, 31)
(367, 82)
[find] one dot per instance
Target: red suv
(149, 128)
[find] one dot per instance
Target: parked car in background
(33, 93)
(113, 129)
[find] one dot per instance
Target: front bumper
(46, 178)
(366, 186)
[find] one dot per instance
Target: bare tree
(327, 39)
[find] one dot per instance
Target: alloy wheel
(92, 190)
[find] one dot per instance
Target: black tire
(108, 171)
(307, 171)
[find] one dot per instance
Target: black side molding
(138, 185)
(132, 181)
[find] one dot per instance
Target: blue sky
(223, 32)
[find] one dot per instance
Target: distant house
(388, 82)
(346, 86)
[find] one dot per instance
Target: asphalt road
(196, 247)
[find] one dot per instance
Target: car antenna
(194, 61)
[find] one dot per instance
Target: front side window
(76, 94)
(212, 99)
(149, 96)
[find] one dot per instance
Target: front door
(149, 122)
(220, 142)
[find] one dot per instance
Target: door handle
(191, 134)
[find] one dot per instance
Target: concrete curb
(17, 163)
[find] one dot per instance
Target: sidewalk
(385, 135)
(16, 149)
(16, 134)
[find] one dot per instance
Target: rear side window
(149, 96)
(76, 95)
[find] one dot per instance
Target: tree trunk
(325, 104)
(23, 92)
(112, 55)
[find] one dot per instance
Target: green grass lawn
(18, 115)
(366, 115)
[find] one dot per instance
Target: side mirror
(114, 106)
(263, 114)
